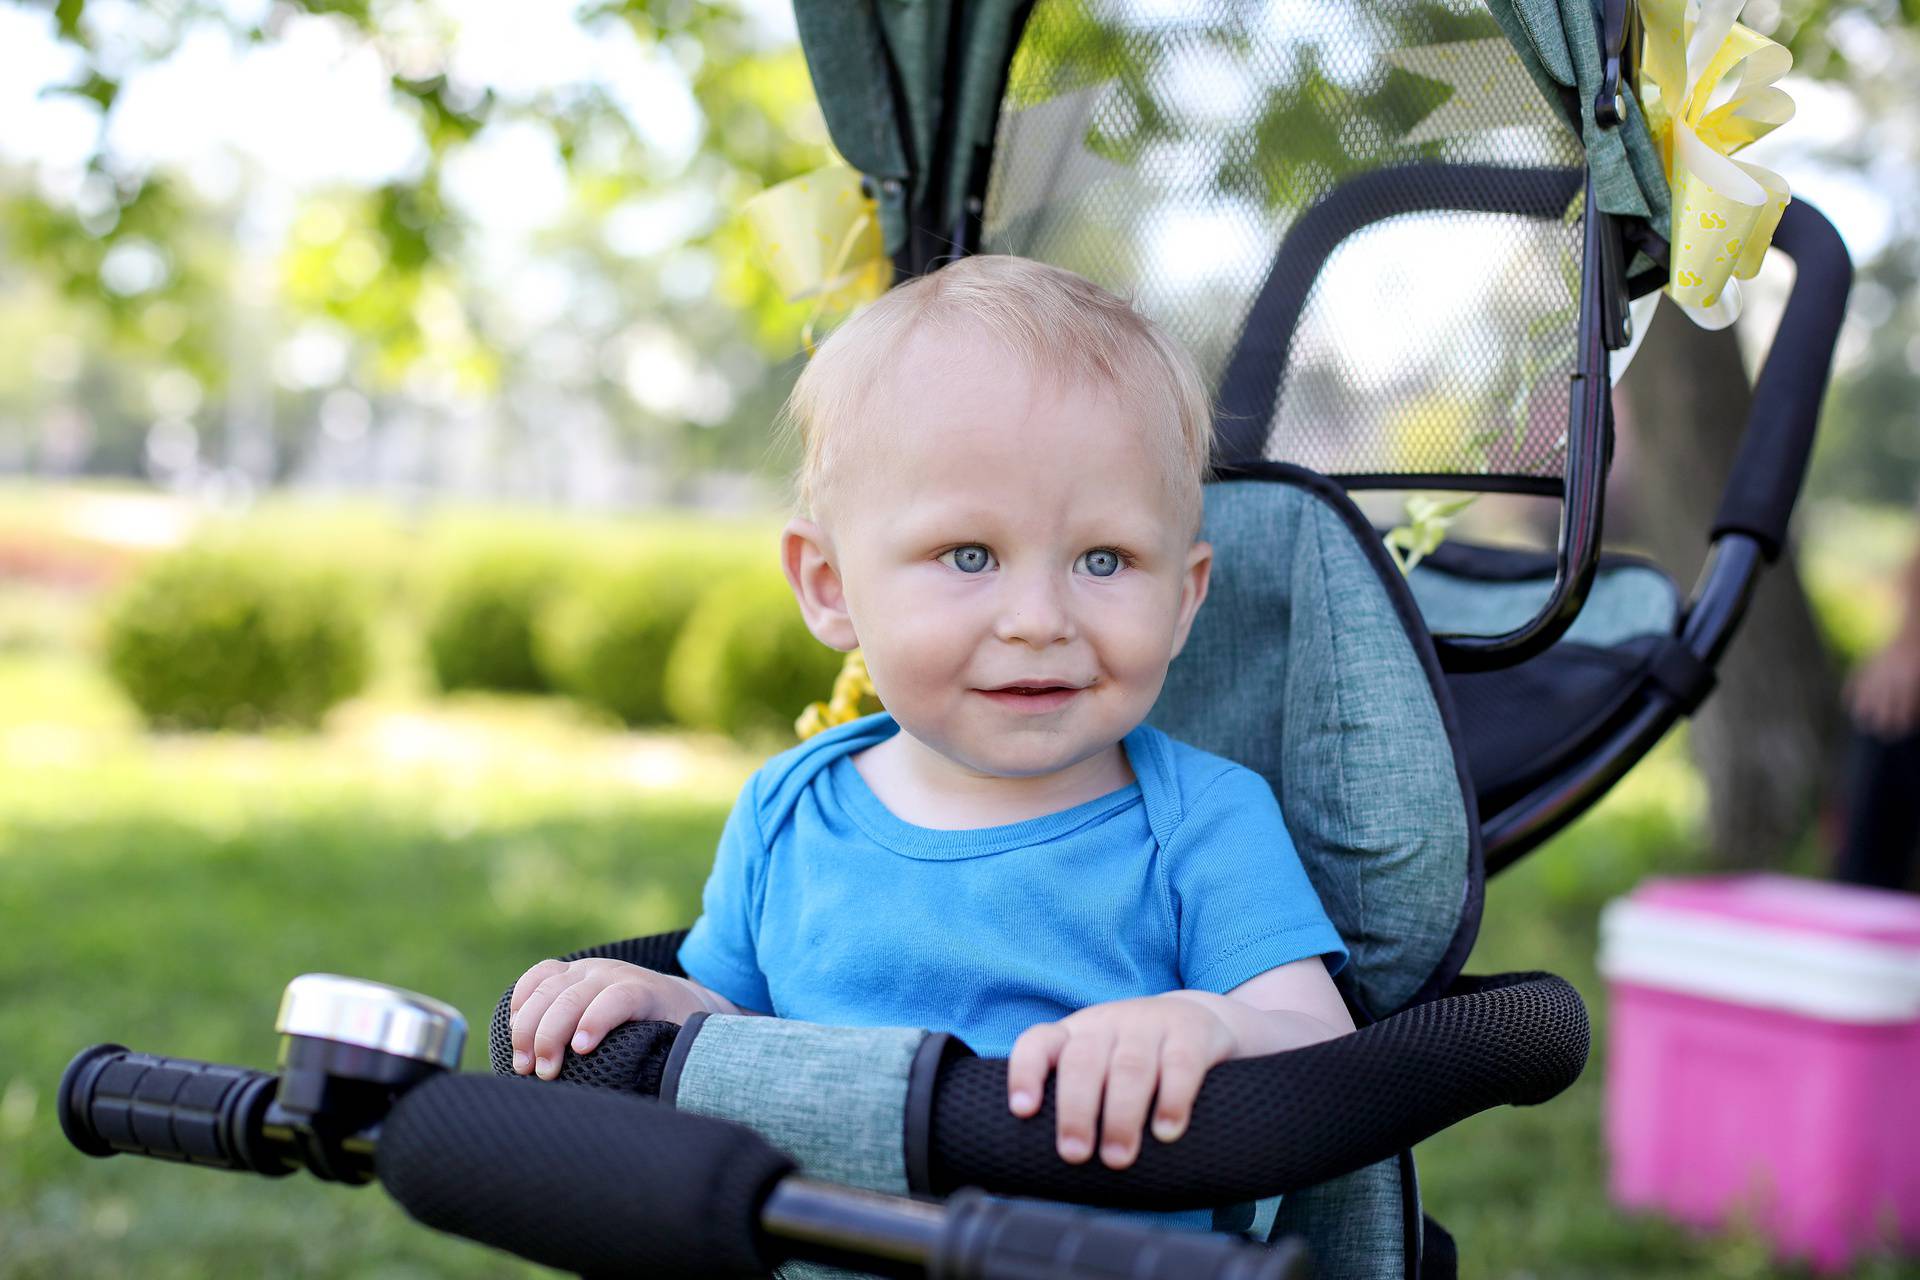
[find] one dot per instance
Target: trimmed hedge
(745, 662)
(225, 638)
(606, 638)
(480, 625)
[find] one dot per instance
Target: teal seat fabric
(1300, 666)
(1627, 601)
(833, 1098)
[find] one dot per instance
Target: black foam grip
(1023, 1240)
(593, 1183)
(1268, 1126)
(1772, 461)
(113, 1100)
(629, 1057)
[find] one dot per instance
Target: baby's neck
(921, 786)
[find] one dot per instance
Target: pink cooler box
(1764, 1060)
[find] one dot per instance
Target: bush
(745, 663)
(212, 638)
(480, 625)
(606, 638)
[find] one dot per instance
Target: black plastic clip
(1682, 676)
(1609, 108)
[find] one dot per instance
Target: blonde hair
(1057, 323)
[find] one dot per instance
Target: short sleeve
(1241, 900)
(719, 952)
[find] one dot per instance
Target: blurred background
(387, 577)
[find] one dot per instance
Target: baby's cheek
(924, 650)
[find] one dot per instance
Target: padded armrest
(1260, 1127)
(1272, 1125)
(631, 1064)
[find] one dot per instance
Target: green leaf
(1428, 518)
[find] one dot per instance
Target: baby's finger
(527, 1020)
(531, 979)
(557, 1024)
(1130, 1076)
(1182, 1068)
(1076, 1092)
(1032, 1058)
(621, 1002)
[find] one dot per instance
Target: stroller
(1403, 238)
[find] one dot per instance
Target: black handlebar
(1772, 462)
(1028, 1240)
(113, 1100)
(647, 1188)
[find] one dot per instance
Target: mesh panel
(1307, 173)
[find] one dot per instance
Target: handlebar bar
(648, 1188)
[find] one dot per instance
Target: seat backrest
(1307, 664)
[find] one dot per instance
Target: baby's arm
(1126, 1051)
(581, 1000)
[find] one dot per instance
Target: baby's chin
(1023, 754)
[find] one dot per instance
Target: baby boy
(1001, 509)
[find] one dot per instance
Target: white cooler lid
(1704, 937)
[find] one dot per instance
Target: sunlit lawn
(159, 892)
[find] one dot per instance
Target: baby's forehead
(968, 453)
(962, 405)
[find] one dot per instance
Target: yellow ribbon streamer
(1706, 85)
(821, 236)
(852, 684)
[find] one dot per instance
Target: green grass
(161, 892)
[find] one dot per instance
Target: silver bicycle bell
(348, 1047)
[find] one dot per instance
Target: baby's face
(1016, 566)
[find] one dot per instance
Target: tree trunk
(1766, 736)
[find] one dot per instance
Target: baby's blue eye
(1102, 564)
(973, 558)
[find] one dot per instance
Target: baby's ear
(807, 556)
(1193, 591)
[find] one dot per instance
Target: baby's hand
(558, 1001)
(1125, 1048)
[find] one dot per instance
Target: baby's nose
(1035, 612)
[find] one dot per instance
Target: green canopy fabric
(1560, 45)
(911, 88)
(881, 70)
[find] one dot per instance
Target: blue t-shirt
(825, 907)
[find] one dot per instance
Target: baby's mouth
(1031, 697)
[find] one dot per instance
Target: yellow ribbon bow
(1707, 88)
(820, 234)
(849, 687)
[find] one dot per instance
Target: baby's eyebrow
(956, 524)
